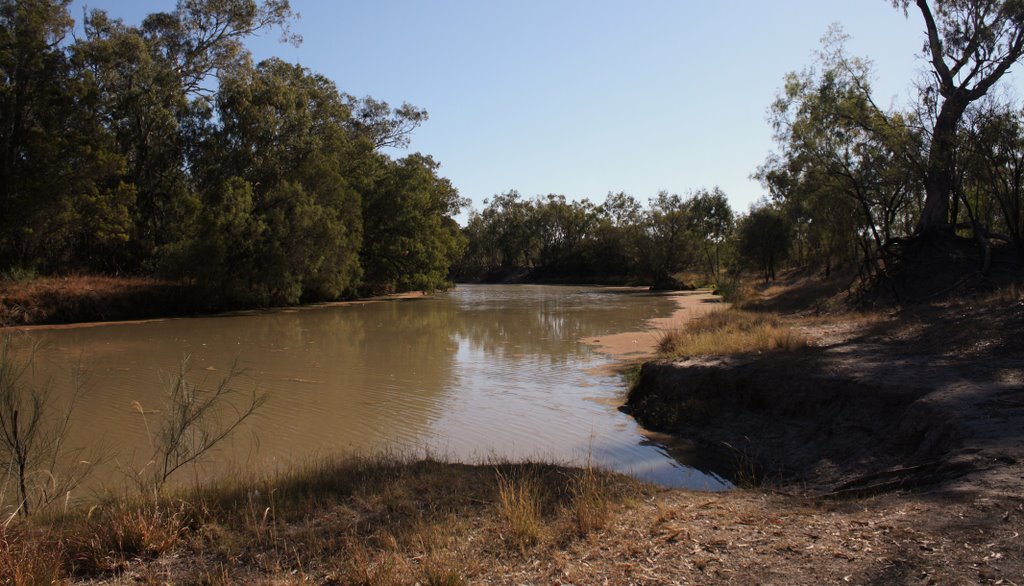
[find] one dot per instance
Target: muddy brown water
(483, 372)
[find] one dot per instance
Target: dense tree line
(163, 149)
(619, 240)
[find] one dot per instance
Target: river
(480, 373)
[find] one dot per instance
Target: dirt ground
(892, 449)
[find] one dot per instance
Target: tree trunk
(940, 172)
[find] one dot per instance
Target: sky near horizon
(586, 97)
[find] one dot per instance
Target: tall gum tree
(970, 45)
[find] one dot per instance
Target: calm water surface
(478, 373)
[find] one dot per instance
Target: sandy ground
(634, 347)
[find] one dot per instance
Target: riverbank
(880, 448)
(395, 522)
(89, 299)
(862, 402)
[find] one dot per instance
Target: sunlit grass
(731, 331)
(519, 506)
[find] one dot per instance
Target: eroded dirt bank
(916, 417)
(891, 403)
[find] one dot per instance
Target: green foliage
(993, 163)
(160, 147)
(619, 240)
(409, 238)
(764, 239)
(712, 222)
(843, 175)
(279, 222)
(61, 199)
(970, 45)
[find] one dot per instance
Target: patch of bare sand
(630, 348)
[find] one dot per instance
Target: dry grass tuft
(113, 536)
(519, 506)
(374, 520)
(589, 506)
(731, 331)
(30, 557)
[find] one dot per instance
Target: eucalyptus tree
(844, 173)
(711, 221)
(666, 245)
(970, 45)
(280, 220)
(617, 232)
(155, 81)
(564, 229)
(764, 238)
(993, 171)
(507, 223)
(410, 240)
(61, 199)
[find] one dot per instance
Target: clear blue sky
(583, 97)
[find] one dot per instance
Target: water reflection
(480, 372)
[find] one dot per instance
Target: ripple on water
(482, 372)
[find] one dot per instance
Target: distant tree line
(850, 184)
(163, 149)
(619, 240)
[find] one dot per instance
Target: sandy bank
(637, 346)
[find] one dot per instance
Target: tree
(844, 174)
(970, 44)
(409, 237)
(666, 243)
(711, 220)
(562, 228)
(507, 220)
(764, 238)
(61, 199)
(33, 431)
(993, 172)
(155, 81)
(281, 219)
(193, 421)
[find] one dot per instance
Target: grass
(383, 520)
(731, 331)
(519, 506)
